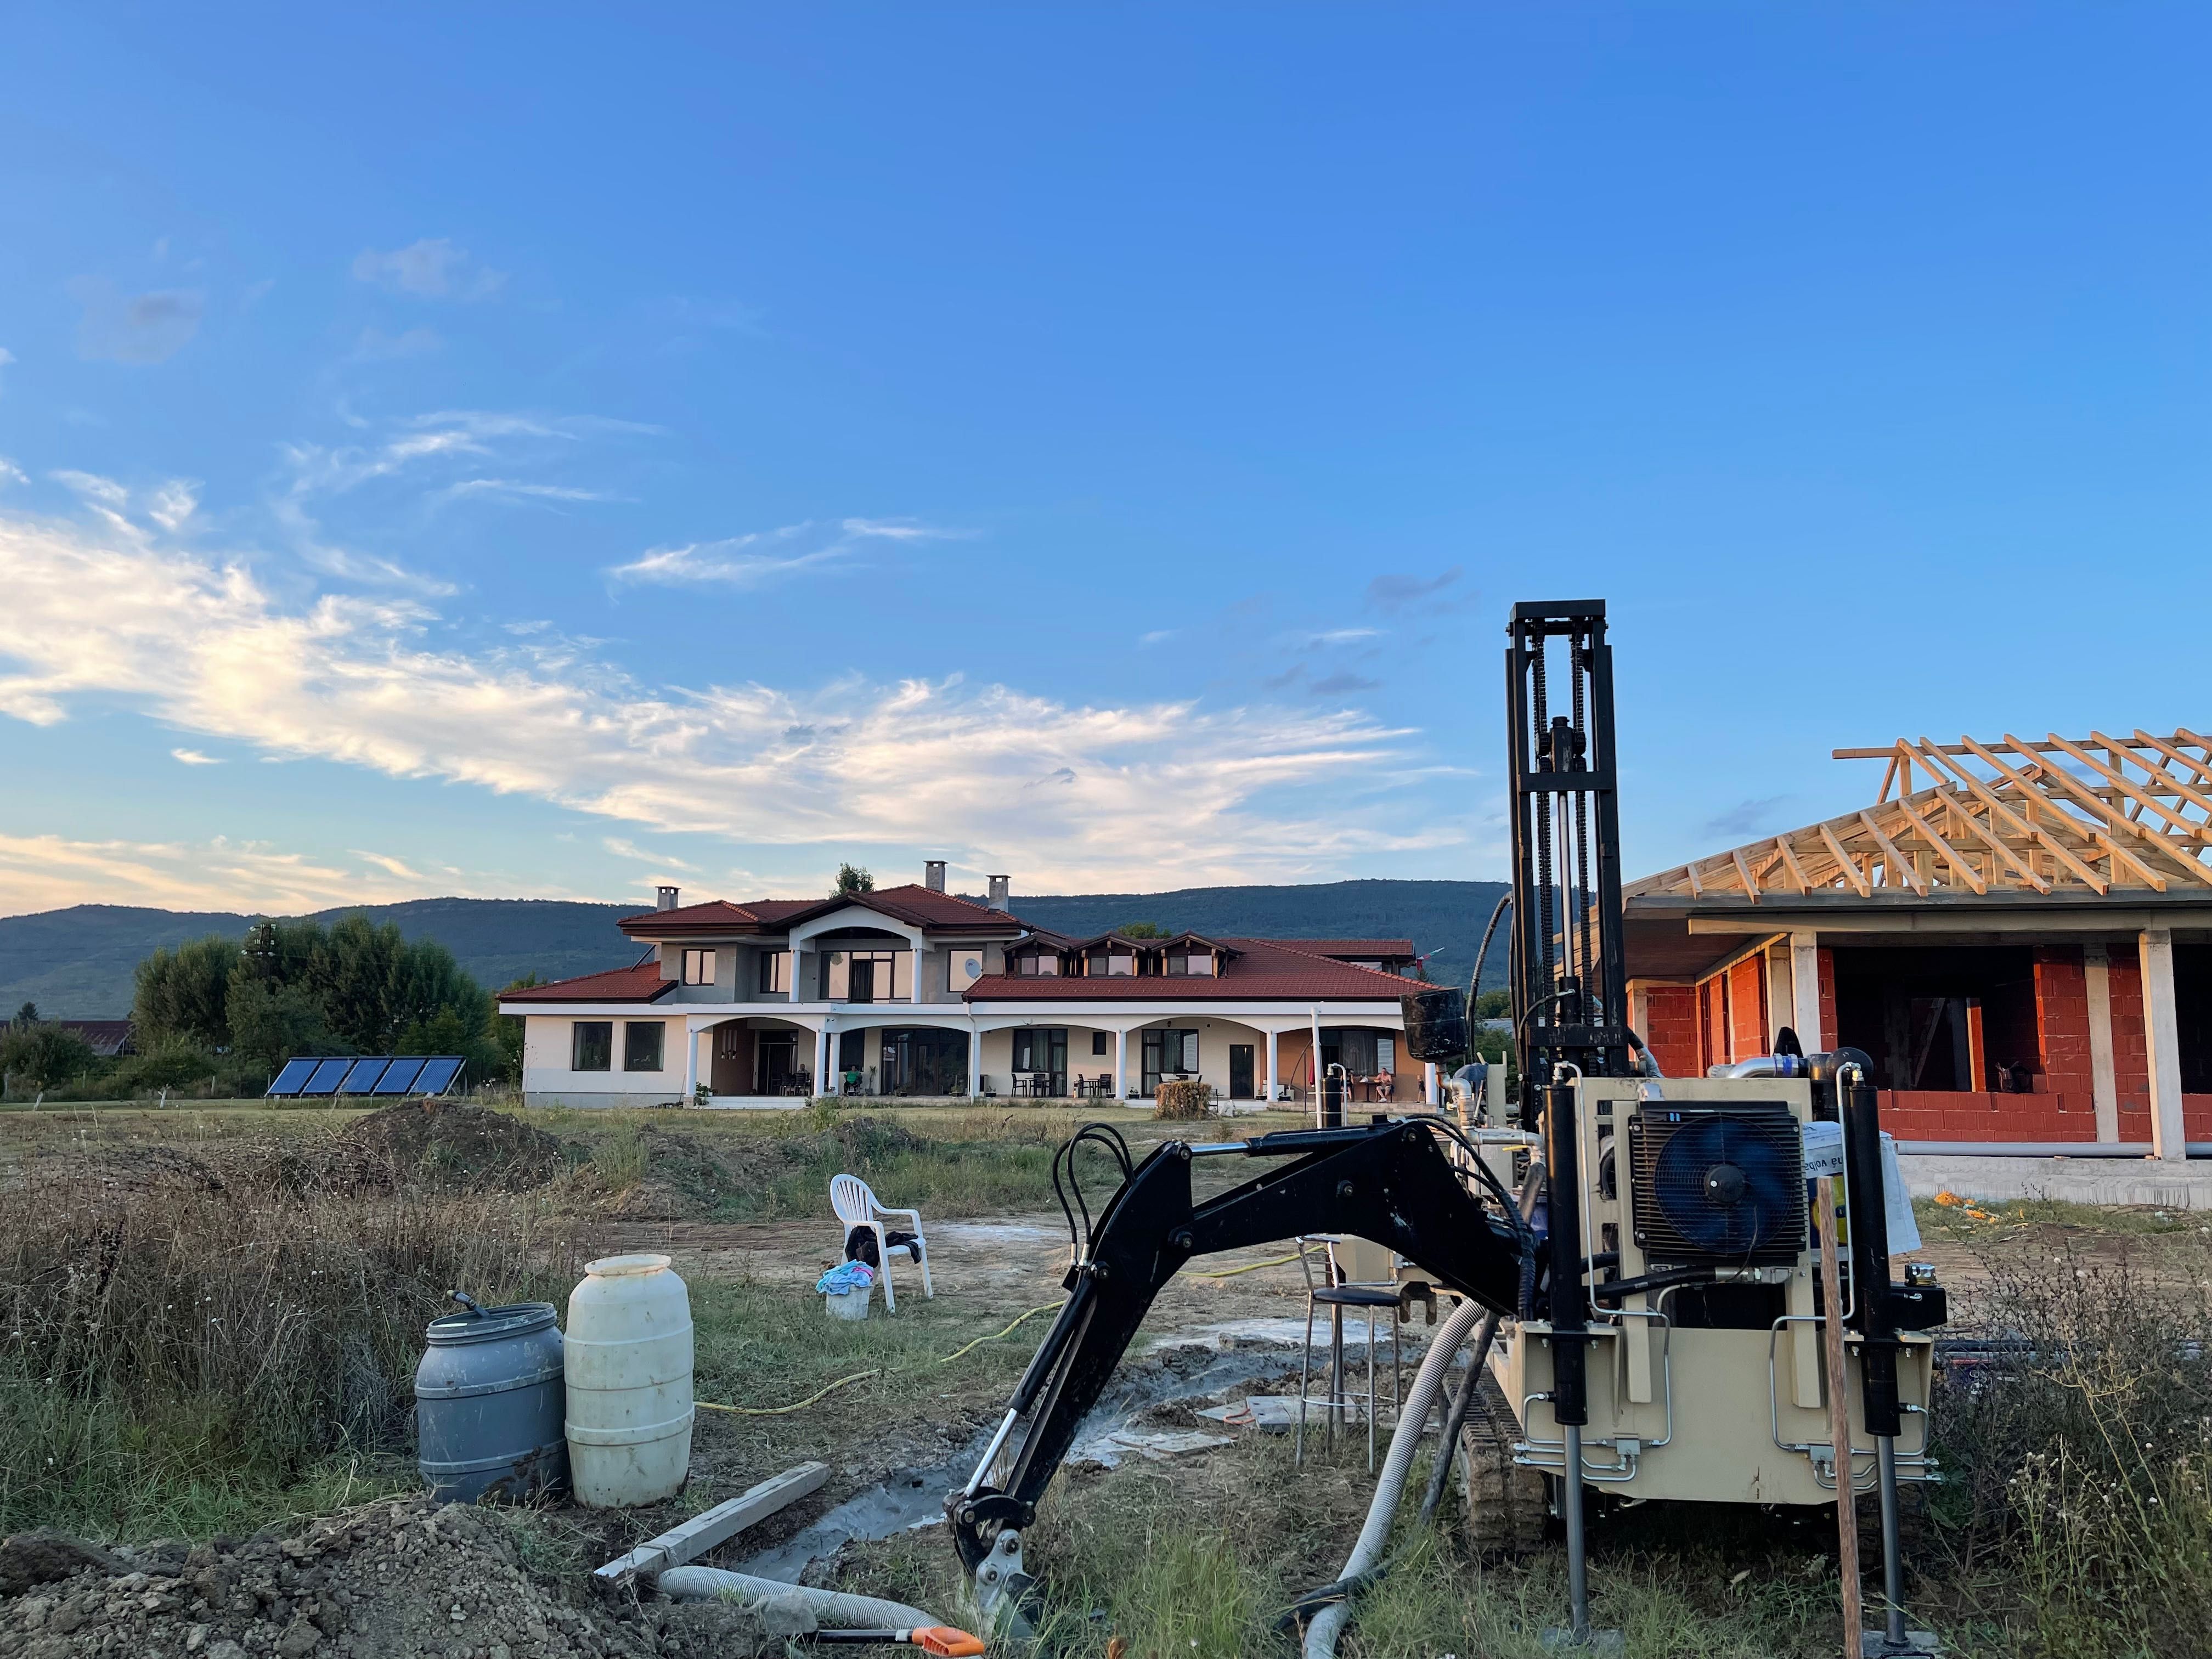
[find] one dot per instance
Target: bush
(42, 1056)
(1182, 1101)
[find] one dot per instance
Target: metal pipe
(1893, 1555)
(2040, 1148)
(1571, 1514)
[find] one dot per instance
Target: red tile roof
(1266, 968)
(1353, 947)
(639, 982)
(914, 904)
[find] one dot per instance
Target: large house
(917, 992)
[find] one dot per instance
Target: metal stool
(1336, 1295)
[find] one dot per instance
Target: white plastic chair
(857, 1206)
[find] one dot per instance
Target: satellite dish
(973, 967)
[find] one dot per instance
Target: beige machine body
(1717, 1415)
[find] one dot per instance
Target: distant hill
(76, 963)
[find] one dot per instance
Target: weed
(623, 1158)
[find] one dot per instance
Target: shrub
(1184, 1100)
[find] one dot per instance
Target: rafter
(1952, 855)
(2148, 802)
(1852, 874)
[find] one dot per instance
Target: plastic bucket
(848, 1305)
(628, 1365)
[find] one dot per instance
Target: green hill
(76, 963)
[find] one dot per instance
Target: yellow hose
(1249, 1266)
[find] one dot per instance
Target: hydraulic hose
(1421, 1400)
(800, 1606)
(1455, 1419)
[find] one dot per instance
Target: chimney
(933, 874)
(666, 900)
(998, 884)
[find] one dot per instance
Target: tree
(1141, 930)
(26, 1015)
(43, 1055)
(271, 1022)
(1496, 1004)
(181, 994)
(506, 1030)
(853, 878)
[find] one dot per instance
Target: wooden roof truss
(2103, 815)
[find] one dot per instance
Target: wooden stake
(1839, 1427)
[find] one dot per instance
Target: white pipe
(1405, 1440)
(811, 1606)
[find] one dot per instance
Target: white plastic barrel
(627, 1354)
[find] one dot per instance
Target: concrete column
(1121, 1063)
(1781, 997)
(1429, 1095)
(2104, 1077)
(2162, 1036)
(1273, 1036)
(822, 1059)
(974, 1062)
(1805, 993)
(690, 1061)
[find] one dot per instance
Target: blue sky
(460, 450)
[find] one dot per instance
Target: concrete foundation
(2074, 1180)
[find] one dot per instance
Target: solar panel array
(391, 1074)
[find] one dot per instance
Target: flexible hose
(1455, 1419)
(802, 1605)
(1404, 1439)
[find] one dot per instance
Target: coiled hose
(1421, 1400)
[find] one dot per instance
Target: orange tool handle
(943, 1639)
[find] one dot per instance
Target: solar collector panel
(295, 1072)
(399, 1077)
(326, 1077)
(438, 1074)
(361, 1079)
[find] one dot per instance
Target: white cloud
(762, 556)
(390, 865)
(510, 487)
(1344, 635)
(203, 646)
(175, 502)
(46, 873)
(145, 328)
(432, 269)
(1157, 636)
(629, 849)
(102, 492)
(10, 473)
(193, 757)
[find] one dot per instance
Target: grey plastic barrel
(490, 1397)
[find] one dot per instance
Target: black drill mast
(1569, 991)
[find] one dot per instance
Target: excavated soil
(396, 1580)
(435, 1142)
(686, 1176)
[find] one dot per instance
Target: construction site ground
(1167, 1527)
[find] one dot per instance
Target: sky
(467, 450)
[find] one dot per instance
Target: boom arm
(1390, 1183)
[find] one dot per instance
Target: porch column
(1122, 1062)
(821, 1058)
(2104, 1077)
(1429, 1096)
(1273, 1034)
(1805, 992)
(691, 1061)
(2162, 1036)
(974, 1061)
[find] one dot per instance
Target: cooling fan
(1720, 1185)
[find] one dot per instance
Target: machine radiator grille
(1723, 1184)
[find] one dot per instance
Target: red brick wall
(1828, 1037)
(2061, 1021)
(1670, 1021)
(2130, 1049)
(1956, 1115)
(1746, 1031)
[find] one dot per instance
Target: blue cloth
(846, 1276)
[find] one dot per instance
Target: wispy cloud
(1340, 684)
(145, 328)
(390, 865)
(1343, 636)
(520, 491)
(1398, 592)
(45, 872)
(173, 503)
(1157, 636)
(10, 473)
(201, 644)
(764, 556)
(193, 757)
(623, 848)
(432, 269)
(1746, 817)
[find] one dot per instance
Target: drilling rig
(1646, 1247)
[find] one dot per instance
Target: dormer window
(1044, 962)
(1196, 963)
(1112, 963)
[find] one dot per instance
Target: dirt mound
(669, 1176)
(130, 1171)
(431, 1143)
(396, 1580)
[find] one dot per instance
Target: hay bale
(1186, 1100)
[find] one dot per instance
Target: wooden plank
(724, 1521)
(1697, 887)
(1790, 862)
(2025, 871)
(1750, 885)
(1888, 777)
(1898, 861)
(2095, 883)
(1952, 855)
(2150, 802)
(2121, 855)
(2203, 772)
(1852, 874)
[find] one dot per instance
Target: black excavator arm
(1390, 1182)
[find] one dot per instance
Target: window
(868, 975)
(1037, 962)
(1098, 1044)
(592, 1045)
(698, 967)
(775, 972)
(1167, 1052)
(641, 1043)
(1042, 1050)
(1111, 962)
(1200, 962)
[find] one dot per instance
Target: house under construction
(2019, 933)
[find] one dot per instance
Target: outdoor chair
(858, 1208)
(1342, 1257)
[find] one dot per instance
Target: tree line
(229, 1013)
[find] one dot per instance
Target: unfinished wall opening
(1959, 1018)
